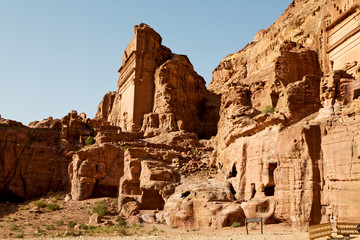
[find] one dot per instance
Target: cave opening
(269, 189)
(253, 191)
(101, 190)
(356, 93)
(185, 194)
(233, 172)
(274, 99)
(9, 196)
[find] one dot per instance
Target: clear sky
(63, 55)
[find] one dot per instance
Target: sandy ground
(164, 232)
(17, 221)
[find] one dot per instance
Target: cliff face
(31, 163)
(287, 135)
(254, 65)
(158, 91)
(34, 160)
(283, 126)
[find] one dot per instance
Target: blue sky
(63, 55)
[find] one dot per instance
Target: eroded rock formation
(282, 116)
(206, 204)
(31, 162)
(272, 149)
(95, 171)
(159, 91)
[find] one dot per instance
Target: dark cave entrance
(270, 187)
(253, 190)
(356, 93)
(9, 196)
(104, 191)
(233, 172)
(269, 190)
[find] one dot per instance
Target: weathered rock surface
(105, 106)
(300, 23)
(271, 149)
(205, 204)
(95, 171)
(286, 124)
(48, 123)
(34, 159)
(159, 91)
(148, 177)
(31, 163)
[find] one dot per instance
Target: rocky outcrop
(300, 99)
(288, 93)
(105, 106)
(34, 159)
(95, 171)
(286, 126)
(301, 23)
(340, 170)
(269, 145)
(180, 97)
(149, 178)
(48, 123)
(294, 168)
(31, 163)
(337, 90)
(206, 204)
(159, 91)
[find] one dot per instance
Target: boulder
(205, 204)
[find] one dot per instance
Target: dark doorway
(233, 172)
(269, 190)
(270, 187)
(253, 190)
(356, 93)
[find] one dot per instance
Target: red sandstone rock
(204, 204)
(105, 106)
(147, 178)
(159, 91)
(94, 219)
(130, 208)
(278, 161)
(95, 171)
(48, 123)
(31, 163)
(300, 99)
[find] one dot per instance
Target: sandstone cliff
(31, 163)
(282, 162)
(34, 160)
(283, 121)
(159, 91)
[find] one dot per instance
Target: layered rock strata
(273, 146)
(285, 116)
